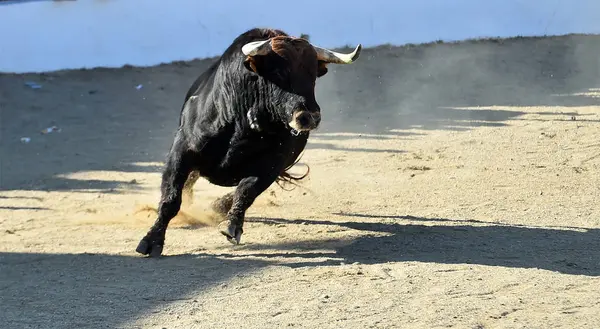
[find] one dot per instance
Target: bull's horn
(257, 48)
(330, 56)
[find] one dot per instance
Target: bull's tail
(286, 178)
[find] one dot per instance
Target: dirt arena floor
(452, 185)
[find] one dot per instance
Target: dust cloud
(392, 88)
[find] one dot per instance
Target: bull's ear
(255, 48)
(322, 69)
(250, 64)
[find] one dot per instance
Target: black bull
(244, 122)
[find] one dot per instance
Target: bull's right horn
(257, 48)
(330, 56)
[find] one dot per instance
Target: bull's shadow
(563, 250)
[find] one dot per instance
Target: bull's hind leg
(223, 204)
(188, 188)
(243, 197)
(174, 177)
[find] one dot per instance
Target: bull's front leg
(243, 197)
(174, 177)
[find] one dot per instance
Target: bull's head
(293, 65)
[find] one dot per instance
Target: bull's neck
(249, 92)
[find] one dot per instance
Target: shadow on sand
(103, 291)
(565, 250)
(94, 290)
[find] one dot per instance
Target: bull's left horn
(257, 48)
(330, 56)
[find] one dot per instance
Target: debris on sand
(51, 129)
(419, 168)
(33, 85)
(549, 135)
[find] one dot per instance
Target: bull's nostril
(304, 119)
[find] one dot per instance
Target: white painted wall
(48, 35)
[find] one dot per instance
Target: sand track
(452, 185)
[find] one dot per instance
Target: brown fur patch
(298, 52)
(293, 49)
(271, 33)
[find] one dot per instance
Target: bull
(244, 122)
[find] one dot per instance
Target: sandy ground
(452, 185)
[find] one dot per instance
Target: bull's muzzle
(305, 120)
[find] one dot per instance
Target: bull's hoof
(231, 231)
(147, 248)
